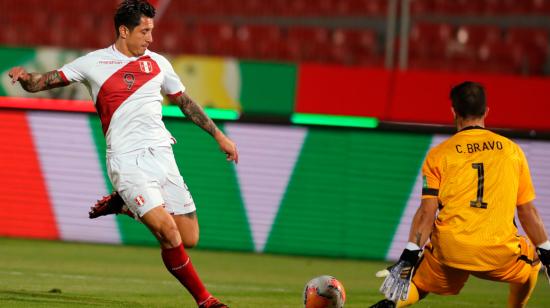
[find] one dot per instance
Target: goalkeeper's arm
(534, 227)
(423, 222)
(398, 276)
(421, 228)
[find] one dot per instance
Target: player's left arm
(398, 276)
(194, 112)
(35, 82)
(423, 222)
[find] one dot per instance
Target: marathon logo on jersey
(129, 80)
(140, 201)
(146, 66)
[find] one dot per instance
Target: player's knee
(421, 293)
(190, 240)
(169, 235)
(189, 229)
(190, 243)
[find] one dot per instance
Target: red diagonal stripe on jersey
(123, 83)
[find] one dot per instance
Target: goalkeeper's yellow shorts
(433, 277)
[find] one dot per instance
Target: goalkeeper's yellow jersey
(479, 178)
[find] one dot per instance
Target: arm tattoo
(39, 82)
(194, 112)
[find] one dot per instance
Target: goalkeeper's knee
(413, 298)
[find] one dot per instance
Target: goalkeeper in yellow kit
(477, 180)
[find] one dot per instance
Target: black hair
(468, 99)
(129, 13)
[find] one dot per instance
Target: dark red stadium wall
(514, 102)
(419, 96)
(342, 90)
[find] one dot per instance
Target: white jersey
(127, 95)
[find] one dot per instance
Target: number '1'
(478, 203)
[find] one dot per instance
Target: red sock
(179, 264)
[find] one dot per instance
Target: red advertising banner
(341, 90)
(419, 96)
(513, 101)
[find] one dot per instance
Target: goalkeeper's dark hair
(129, 13)
(468, 99)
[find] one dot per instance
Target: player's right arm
(532, 223)
(534, 227)
(529, 216)
(35, 82)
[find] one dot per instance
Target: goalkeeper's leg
(414, 296)
(520, 292)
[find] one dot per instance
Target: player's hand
(18, 74)
(544, 257)
(228, 147)
(398, 276)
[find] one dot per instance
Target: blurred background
(333, 103)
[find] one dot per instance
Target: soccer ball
(324, 292)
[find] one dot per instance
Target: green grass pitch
(55, 274)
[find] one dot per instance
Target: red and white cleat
(110, 204)
(213, 302)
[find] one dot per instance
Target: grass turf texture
(56, 274)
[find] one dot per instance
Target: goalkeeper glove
(398, 276)
(544, 257)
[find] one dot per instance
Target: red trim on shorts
(123, 83)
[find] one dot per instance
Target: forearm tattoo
(39, 82)
(195, 113)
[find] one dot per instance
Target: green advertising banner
(296, 190)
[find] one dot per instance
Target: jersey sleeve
(431, 176)
(75, 71)
(526, 190)
(171, 85)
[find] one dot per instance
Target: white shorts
(149, 178)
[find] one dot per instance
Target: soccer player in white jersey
(125, 81)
